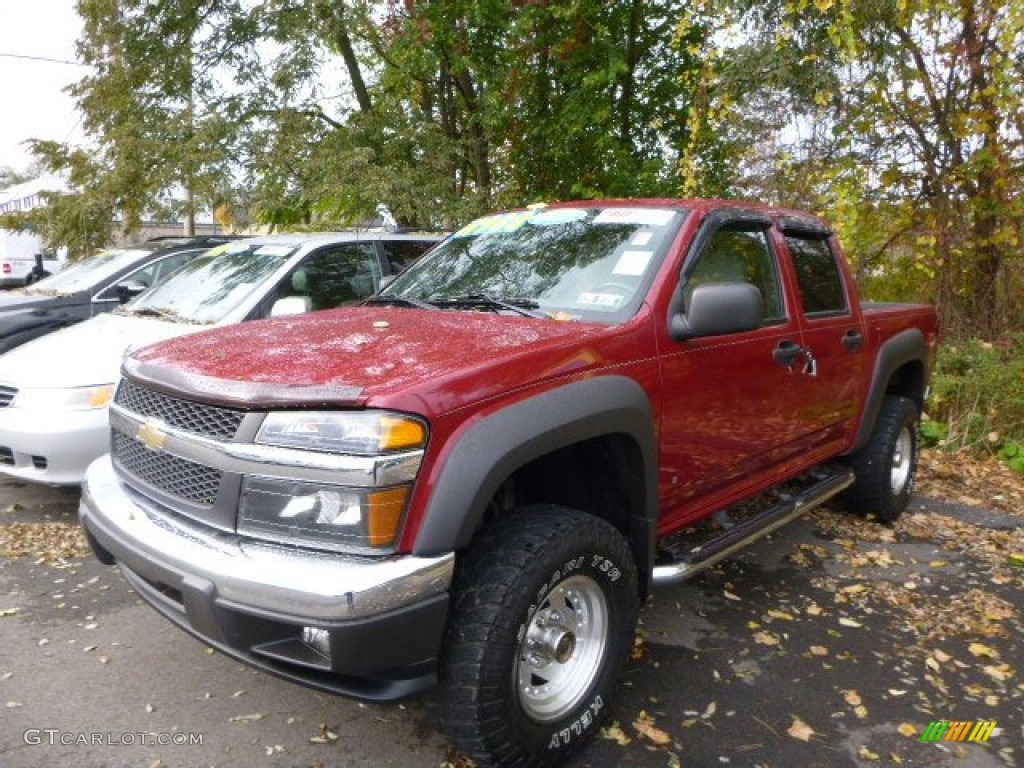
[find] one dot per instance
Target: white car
(54, 390)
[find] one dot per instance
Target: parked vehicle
(93, 286)
(475, 478)
(54, 391)
(18, 258)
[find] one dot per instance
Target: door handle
(853, 340)
(787, 353)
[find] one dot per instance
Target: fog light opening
(317, 639)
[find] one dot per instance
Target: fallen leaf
(709, 711)
(819, 650)
(906, 729)
(800, 730)
(781, 615)
(8, 612)
(645, 726)
(983, 650)
(852, 698)
(813, 610)
(615, 733)
(850, 622)
(1000, 673)
(730, 596)
(766, 638)
(246, 718)
(867, 754)
(941, 657)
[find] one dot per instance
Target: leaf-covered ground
(833, 643)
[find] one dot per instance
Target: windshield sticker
(557, 216)
(641, 238)
(652, 217)
(491, 225)
(604, 300)
(274, 250)
(633, 263)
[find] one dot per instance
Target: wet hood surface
(353, 355)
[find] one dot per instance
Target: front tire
(544, 612)
(886, 466)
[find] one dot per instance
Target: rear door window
(817, 273)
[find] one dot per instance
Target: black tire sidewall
(896, 502)
(561, 737)
(503, 580)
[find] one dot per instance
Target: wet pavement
(832, 643)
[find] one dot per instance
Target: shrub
(978, 399)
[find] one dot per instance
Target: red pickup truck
(473, 480)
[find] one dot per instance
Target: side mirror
(717, 309)
(129, 289)
(290, 305)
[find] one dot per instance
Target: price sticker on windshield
(600, 300)
(633, 263)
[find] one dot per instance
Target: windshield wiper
(518, 305)
(404, 301)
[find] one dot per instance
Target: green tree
(905, 127)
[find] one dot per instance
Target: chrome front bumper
(310, 586)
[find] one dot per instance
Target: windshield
(210, 286)
(87, 273)
(568, 263)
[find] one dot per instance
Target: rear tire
(544, 611)
(886, 466)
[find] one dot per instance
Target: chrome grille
(170, 474)
(7, 395)
(208, 420)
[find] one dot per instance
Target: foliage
(978, 398)
(908, 118)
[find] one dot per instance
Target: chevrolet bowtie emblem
(151, 436)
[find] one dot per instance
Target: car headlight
(65, 399)
(359, 432)
(324, 516)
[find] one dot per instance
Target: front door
(730, 408)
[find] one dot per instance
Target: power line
(41, 58)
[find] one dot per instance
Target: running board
(687, 559)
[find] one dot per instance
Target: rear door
(832, 332)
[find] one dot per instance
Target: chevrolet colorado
(473, 480)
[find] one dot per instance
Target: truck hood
(85, 354)
(355, 355)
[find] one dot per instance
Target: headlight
(361, 432)
(71, 399)
(324, 516)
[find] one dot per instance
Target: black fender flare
(907, 346)
(492, 449)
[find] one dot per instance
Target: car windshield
(569, 263)
(87, 273)
(210, 286)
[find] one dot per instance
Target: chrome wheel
(902, 460)
(563, 649)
